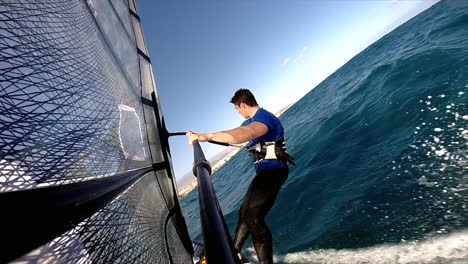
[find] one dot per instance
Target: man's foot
(242, 258)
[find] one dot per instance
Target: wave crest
(451, 248)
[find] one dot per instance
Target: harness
(271, 150)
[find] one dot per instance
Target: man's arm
(234, 136)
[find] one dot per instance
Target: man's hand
(192, 136)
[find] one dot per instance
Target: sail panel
(78, 103)
(127, 230)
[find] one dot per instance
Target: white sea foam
(440, 152)
(451, 248)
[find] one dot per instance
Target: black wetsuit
(261, 195)
(257, 203)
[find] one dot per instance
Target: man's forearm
(233, 136)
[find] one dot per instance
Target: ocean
(381, 148)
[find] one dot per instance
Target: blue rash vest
(275, 133)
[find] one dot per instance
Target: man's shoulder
(266, 115)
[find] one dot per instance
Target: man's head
(244, 101)
(244, 96)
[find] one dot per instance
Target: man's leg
(242, 231)
(260, 199)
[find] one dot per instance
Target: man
(266, 145)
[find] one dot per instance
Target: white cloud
(301, 55)
(297, 58)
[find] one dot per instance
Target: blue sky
(203, 51)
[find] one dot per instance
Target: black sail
(85, 166)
